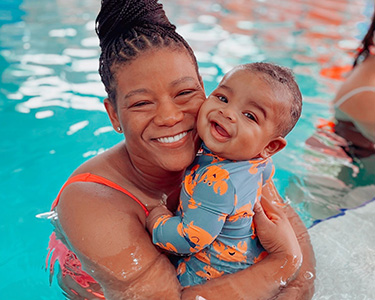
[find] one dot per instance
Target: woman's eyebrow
(173, 83)
(135, 92)
(182, 80)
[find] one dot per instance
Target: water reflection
(52, 117)
(47, 59)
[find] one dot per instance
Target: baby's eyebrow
(262, 110)
(223, 86)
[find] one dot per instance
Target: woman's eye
(139, 104)
(250, 116)
(223, 99)
(185, 92)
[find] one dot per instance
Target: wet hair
(276, 75)
(366, 43)
(128, 28)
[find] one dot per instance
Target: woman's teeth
(172, 139)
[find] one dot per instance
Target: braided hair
(366, 43)
(126, 29)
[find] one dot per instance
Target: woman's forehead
(162, 65)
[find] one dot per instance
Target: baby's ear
(273, 147)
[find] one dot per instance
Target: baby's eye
(223, 99)
(250, 116)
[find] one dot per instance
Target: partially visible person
(354, 103)
(242, 124)
(350, 136)
(100, 239)
(342, 149)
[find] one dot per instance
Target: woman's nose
(168, 114)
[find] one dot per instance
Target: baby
(242, 124)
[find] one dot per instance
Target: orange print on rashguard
(196, 235)
(232, 254)
(245, 211)
(260, 257)
(253, 169)
(161, 220)
(259, 191)
(216, 176)
(209, 273)
(190, 180)
(192, 204)
(203, 256)
(181, 268)
(167, 246)
(254, 235)
(215, 158)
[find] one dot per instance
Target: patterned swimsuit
(214, 221)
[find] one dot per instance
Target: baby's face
(238, 121)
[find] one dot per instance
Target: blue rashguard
(214, 220)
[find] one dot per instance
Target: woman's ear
(273, 147)
(112, 114)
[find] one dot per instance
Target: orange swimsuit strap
(88, 177)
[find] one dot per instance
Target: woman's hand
(278, 237)
(302, 287)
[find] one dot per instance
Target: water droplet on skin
(308, 275)
(123, 274)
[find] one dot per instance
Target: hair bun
(127, 17)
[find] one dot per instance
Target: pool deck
(342, 243)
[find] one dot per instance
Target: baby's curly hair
(276, 75)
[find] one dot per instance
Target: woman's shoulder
(97, 186)
(105, 163)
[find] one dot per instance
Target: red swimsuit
(68, 261)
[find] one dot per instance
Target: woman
(154, 92)
(355, 101)
(351, 135)
(354, 106)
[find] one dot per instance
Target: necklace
(162, 201)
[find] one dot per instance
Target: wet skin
(239, 119)
(159, 95)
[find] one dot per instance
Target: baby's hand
(155, 214)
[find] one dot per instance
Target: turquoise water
(52, 118)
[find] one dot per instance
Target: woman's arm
(302, 287)
(107, 232)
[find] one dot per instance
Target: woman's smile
(172, 139)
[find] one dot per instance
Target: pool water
(52, 118)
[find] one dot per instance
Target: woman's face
(158, 98)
